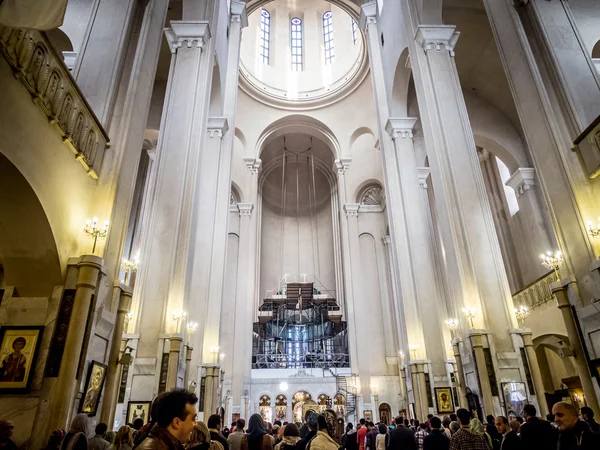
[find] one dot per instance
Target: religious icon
(138, 410)
(443, 397)
(368, 415)
(18, 354)
(515, 398)
(93, 388)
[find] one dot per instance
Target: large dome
(301, 57)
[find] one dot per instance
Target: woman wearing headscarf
(76, 438)
(257, 436)
(55, 440)
(311, 424)
(291, 436)
(323, 439)
(477, 428)
(200, 438)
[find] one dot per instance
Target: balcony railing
(44, 74)
(309, 361)
(537, 293)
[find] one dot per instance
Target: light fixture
(452, 325)
(130, 266)
(128, 318)
(214, 349)
(92, 230)
(177, 317)
(413, 349)
(594, 230)
(191, 329)
(552, 261)
(470, 314)
(221, 356)
(521, 313)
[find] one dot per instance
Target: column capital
(433, 37)
(125, 294)
(216, 126)
(341, 165)
(188, 32)
(239, 13)
(351, 209)
(522, 180)
(368, 14)
(253, 164)
(400, 127)
(387, 240)
(422, 174)
(245, 209)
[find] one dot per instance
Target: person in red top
(361, 435)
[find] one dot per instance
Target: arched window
(354, 32)
(328, 37)
(265, 35)
(296, 32)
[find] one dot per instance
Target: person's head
(587, 413)
(80, 424)
(214, 422)
(321, 423)
(416, 423)
(362, 422)
(199, 433)
(423, 426)
(370, 425)
(429, 416)
(382, 428)
(435, 423)
(19, 344)
(110, 436)
(234, 423)
(6, 429)
(406, 422)
(502, 424)
(464, 416)
(515, 426)
(453, 418)
(349, 426)
(399, 420)
(476, 426)
(240, 424)
(550, 417)
(101, 429)
(177, 413)
(256, 424)
(489, 419)
(565, 416)
(529, 411)
(124, 436)
(291, 430)
(312, 420)
(284, 423)
(56, 438)
(519, 419)
(138, 423)
(446, 421)
(454, 426)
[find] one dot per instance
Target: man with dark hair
(573, 433)
(465, 438)
(6, 431)
(234, 440)
(510, 440)
(421, 434)
(361, 434)
(401, 437)
(304, 428)
(214, 425)
(537, 433)
(98, 442)
(588, 415)
(371, 437)
(175, 419)
(349, 438)
(437, 439)
(490, 428)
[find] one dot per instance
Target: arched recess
(365, 187)
(358, 133)
(554, 353)
(596, 51)
(28, 250)
(216, 98)
(402, 78)
(59, 40)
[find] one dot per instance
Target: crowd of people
(173, 426)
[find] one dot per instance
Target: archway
(385, 413)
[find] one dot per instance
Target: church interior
(380, 207)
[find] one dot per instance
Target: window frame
(328, 45)
(296, 43)
(354, 32)
(264, 44)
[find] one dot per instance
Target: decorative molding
(239, 13)
(216, 127)
(70, 59)
(401, 127)
(433, 37)
(341, 165)
(351, 209)
(188, 32)
(372, 195)
(387, 240)
(151, 153)
(253, 164)
(245, 209)
(522, 180)
(50, 83)
(368, 14)
(422, 174)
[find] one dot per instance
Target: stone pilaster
(462, 398)
(536, 374)
(414, 375)
(175, 347)
(476, 337)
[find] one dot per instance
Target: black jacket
(349, 440)
(302, 443)
(216, 436)
(578, 438)
(538, 434)
(401, 438)
(436, 440)
(511, 442)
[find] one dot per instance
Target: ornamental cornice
(387, 240)
(422, 174)
(216, 127)
(239, 13)
(341, 165)
(401, 127)
(245, 209)
(187, 32)
(368, 14)
(434, 37)
(351, 209)
(253, 164)
(522, 180)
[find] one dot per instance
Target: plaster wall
(587, 17)
(76, 21)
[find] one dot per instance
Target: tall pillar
(403, 389)
(101, 58)
(175, 343)
(536, 373)
(474, 263)
(560, 290)
(462, 395)
(111, 388)
(188, 366)
(246, 400)
(64, 390)
(209, 390)
(423, 389)
(476, 337)
(414, 376)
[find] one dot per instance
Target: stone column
(403, 389)
(414, 376)
(188, 365)
(560, 290)
(462, 396)
(474, 263)
(246, 407)
(476, 337)
(423, 389)
(536, 374)
(111, 387)
(208, 390)
(175, 344)
(375, 403)
(395, 298)
(64, 390)
(101, 58)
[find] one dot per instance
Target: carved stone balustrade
(53, 89)
(537, 293)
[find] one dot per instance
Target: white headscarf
(80, 424)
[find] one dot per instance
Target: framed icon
(19, 347)
(515, 398)
(93, 388)
(368, 415)
(138, 410)
(443, 400)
